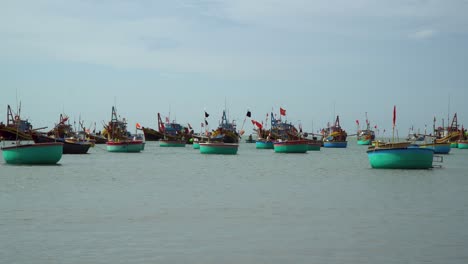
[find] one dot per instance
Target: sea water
(175, 205)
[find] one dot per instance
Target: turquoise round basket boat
(463, 144)
(172, 143)
(264, 144)
(125, 146)
(364, 142)
(291, 146)
(401, 158)
(33, 154)
(219, 148)
(335, 144)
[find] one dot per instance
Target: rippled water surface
(174, 205)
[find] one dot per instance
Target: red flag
(138, 126)
(282, 111)
(357, 122)
(394, 115)
(375, 127)
(257, 124)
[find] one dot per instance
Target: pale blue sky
(312, 58)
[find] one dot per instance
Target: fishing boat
(264, 144)
(438, 148)
(450, 134)
(93, 136)
(249, 139)
(33, 154)
(335, 136)
(287, 138)
(365, 136)
(174, 134)
(463, 141)
(119, 139)
(15, 128)
(291, 146)
(224, 140)
(64, 133)
(152, 134)
(264, 140)
(399, 155)
(70, 146)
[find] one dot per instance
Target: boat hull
(219, 148)
(196, 145)
(10, 133)
(463, 145)
(172, 143)
(364, 141)
(335, 144)
(33, 154)
(454, 144)
(264, 145)
(401, 158)
(314, 146)
(292, 146)
(151, 134)
(68, 147)
(125, 146)
(438, 148)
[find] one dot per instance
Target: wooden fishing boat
(70, 146)
(33, 154)
(365, 136)
(249, 139)
(224, 140)
(151, 134)
(264, 140)
(174, 134)
(450, 134)
(438, 148)
(119, 139)
(463, 141)
(15, 128)
(335, 136)
(291, 146)
(64, 133)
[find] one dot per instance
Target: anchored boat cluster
(282, 137)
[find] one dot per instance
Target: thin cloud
(423, 34)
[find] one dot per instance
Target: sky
(314, 58)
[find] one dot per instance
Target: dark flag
(206, 114)
(249, 114)
(206, 122)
